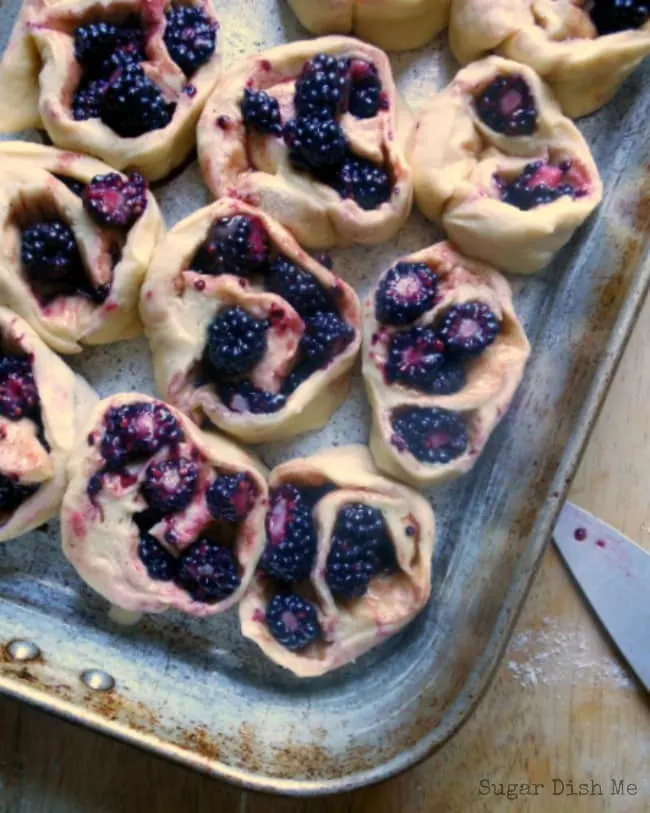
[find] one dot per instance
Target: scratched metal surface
(195, 690)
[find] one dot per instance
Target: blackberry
(158, 561)
(132, 105)
(77, 187)
(358, 532)
(208, 572)
(170, 485)
(469, 328)
(322, 87)
(49, 251)
(367, 184)
(525, 194)
(233, 245)
(231, 497)
(12, 493)
(137, 430)
(507, 106)
(414, 358)
(304, 293)
(298, 376)
(112, 200)
(243, 397)
(261, 112)
(88, 98)
(326, 335)
(449, 379)
(365, 89)
(611, 16)
(236, 342)
(431, 434)
(292, 621)
(18, 392)
(404, 293)
(290, 536)
(190, 37)
(96, 43)
(315, 143)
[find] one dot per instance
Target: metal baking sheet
(195, 691)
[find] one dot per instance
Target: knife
(614, 575)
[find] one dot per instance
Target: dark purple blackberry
(231, 497)
(322, 87)
(137, 430)
(261, 112)
(315, 143)
(326, 335)
(159, 562)
(233, 245)
(243, 397)
(525, 193)
(415, 357)
(130, 54)
(112, 200)
(290, 536)
(298, 376)
(292, 621)
(12, 493)
(507, 106)
(431, 434)
(367, 184)
(469, 328)
(304, 293)
(190, 37)
(95, 44)
(73, 185)
(365, 89)
(88, 99)
(208, 572)
(236, 342)
(449, 379)
(132, 105)
(358, 532)
(49, 251)
(404, 293)
(611, 16)
(18, 392)
(169, 486)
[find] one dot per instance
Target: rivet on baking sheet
(98, 680)
(19, 650)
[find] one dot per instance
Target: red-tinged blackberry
(261, 112)
(315, 143)
(49, 251)
(326, 335)
(233, 245)
(242, 397)
(304, 293)
(112, 200)
(528, 190)
(358, 532)
(431, 434)
(132, 105)
(404, 293)
(190, 37)
(367, 184)
(73, 185)
(160, 564)
(415, 357)
(18, 392)
(208, 572)
(365, 89)
(236, 342)
(322, 87)
(137, 430)
(611, 16)
(12, 493)
(290, 536)
(170, 485)
(469, 328)
(507, 106)
(231, 497)
(88, 99)
(292, 621)
(449, 379)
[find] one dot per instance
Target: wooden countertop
(562, 707)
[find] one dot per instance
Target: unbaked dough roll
(245, 328)
(313, 133)
(443, 353)
(584, 55)
(160, 515)
(124, 81)
(43, 406)
(76, 240)
(501, 168)
(396, 25)
(347, 562)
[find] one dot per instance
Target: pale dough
(257, 168)
(353, 627)
(492, 377)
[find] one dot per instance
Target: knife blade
(614, 574)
